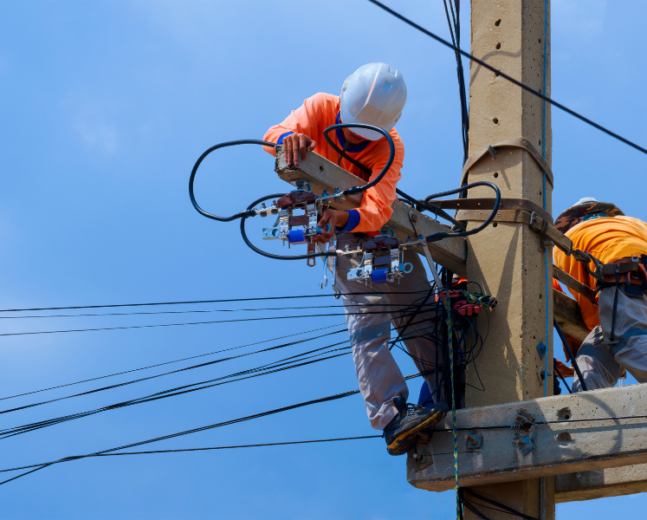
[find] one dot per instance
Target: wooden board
(323, 174)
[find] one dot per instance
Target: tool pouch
(629, 274)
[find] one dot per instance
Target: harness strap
(576, 285)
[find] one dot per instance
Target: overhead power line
(196, 430)
(198, 311)
(176, 361)
(509, 78)
(188, 302)
(209, 448)
(212, 322)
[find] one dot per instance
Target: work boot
(401, 433)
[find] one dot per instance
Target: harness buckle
(544, 227)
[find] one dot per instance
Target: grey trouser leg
(379, 377)
(601, 363)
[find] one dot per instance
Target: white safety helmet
(374, 94)
(584, 200)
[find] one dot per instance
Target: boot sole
(401, 444)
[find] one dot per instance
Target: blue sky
(105, 106)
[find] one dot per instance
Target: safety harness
(628, 274)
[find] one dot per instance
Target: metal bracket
(525, 445)
(541, 348)
(423, 461)
(474, 441)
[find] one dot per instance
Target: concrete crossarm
(599, 483)
(323, 174)
(557, 448)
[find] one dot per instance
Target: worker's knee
(598, 368)
(634, 357)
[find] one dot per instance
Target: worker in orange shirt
(618, 324)
(375, 95)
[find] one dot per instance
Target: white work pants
(369, 317)
(601, 364)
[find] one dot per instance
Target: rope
(450, 344)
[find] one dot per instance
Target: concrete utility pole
(513, 36)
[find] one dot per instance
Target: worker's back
(608, 240)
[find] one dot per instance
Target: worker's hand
(295, 145)
(333, 218)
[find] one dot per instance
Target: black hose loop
(359, 189)
(242, 214)
(439, 236)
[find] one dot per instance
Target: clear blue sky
(105, 106)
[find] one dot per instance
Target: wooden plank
(599, 483)
(569, 316)
(323, 174)
(558, 448)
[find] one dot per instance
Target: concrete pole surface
(507, 260)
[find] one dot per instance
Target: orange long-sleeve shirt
(607, 239)
(318, 113)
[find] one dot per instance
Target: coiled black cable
(439, 236)
(359, 189)
(248, 212)
(416, 203)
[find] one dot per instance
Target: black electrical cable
(570, 353)
(200, 429)
(185, 369)
(559, 374)
(417, 203)
(439, 236)
(509, 78)
(129, 327)
(176, 361)
(498, 504)
(258, 309)
(189, 358)
(473, 509)
(189, 302)
(455, 33)
(247, 213)
(270, 368)
(359, 189)
(209, 448)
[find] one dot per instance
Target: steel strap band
(518, 142)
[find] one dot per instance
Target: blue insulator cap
(380, 275)
(296, 236)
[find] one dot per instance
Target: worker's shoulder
(323, 99)
(383, 145)
(632, 220)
